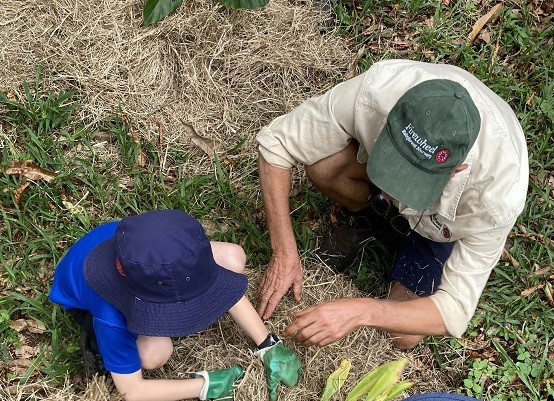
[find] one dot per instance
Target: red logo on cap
(446, 232)
(119, 267)
(442, 155)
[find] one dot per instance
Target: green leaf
(391, 374)
(364, 385)
(378, 381)
(395, 390)
(157, 10)
(247, 4)
(336, 380)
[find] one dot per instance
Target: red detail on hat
(446, 232)
(119, 267)
(442, 155)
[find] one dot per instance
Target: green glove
(281, 366)
(219, 383)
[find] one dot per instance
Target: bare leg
(229, 256)
(399, 292)
(342, 178)
(154, 352)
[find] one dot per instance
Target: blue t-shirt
(116, 344)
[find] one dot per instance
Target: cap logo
(119, 267)
(417, 142)
(442, 155)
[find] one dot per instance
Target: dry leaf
(160, 139)
(485, 36)
(507, 257)
(28, 324)
(206, 145)
(528, 291)
(20, 363)
(19, 191)
(30, 170)
(539, 271)
(26, 352)
(481, 22)
(548, 291)
(530, 99)
(352, 67)
(27, 388)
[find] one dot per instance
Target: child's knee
(235, 258)
(154, 351)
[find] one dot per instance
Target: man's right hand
(283, 272)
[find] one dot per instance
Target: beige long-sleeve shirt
(478, 206)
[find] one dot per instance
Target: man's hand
(326, 323)
(281, 366)
(282, 272)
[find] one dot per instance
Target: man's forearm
(418, 316)
(275, 183)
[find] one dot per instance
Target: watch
(270, 340)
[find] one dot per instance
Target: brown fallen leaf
(27, 324)
(548, 289)
(27, 388)
(539, 271)
(528, 291)
(20, 363)
(481, 22)
(352, 67)
(30, 170)
(26, 352)
(18, 193)
(206, 145)
(507, 257)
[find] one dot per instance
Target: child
(133, 284)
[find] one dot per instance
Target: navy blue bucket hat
(159, 271)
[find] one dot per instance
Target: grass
(507, 351)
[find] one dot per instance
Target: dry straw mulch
(227, 73)
(224, 344)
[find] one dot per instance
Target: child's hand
(281, 366)
(219, 383)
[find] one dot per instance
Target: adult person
(425, 150)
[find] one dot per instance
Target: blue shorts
(419, 262)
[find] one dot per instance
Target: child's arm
(135, 388)
(281, 363)
(214, 384)
(244, 314)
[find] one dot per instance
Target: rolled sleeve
(464, 277)
(308, 133)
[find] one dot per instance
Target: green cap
(429, 132)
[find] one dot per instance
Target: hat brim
(394, 174)
(174, 319)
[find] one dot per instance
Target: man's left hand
(326, 323)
